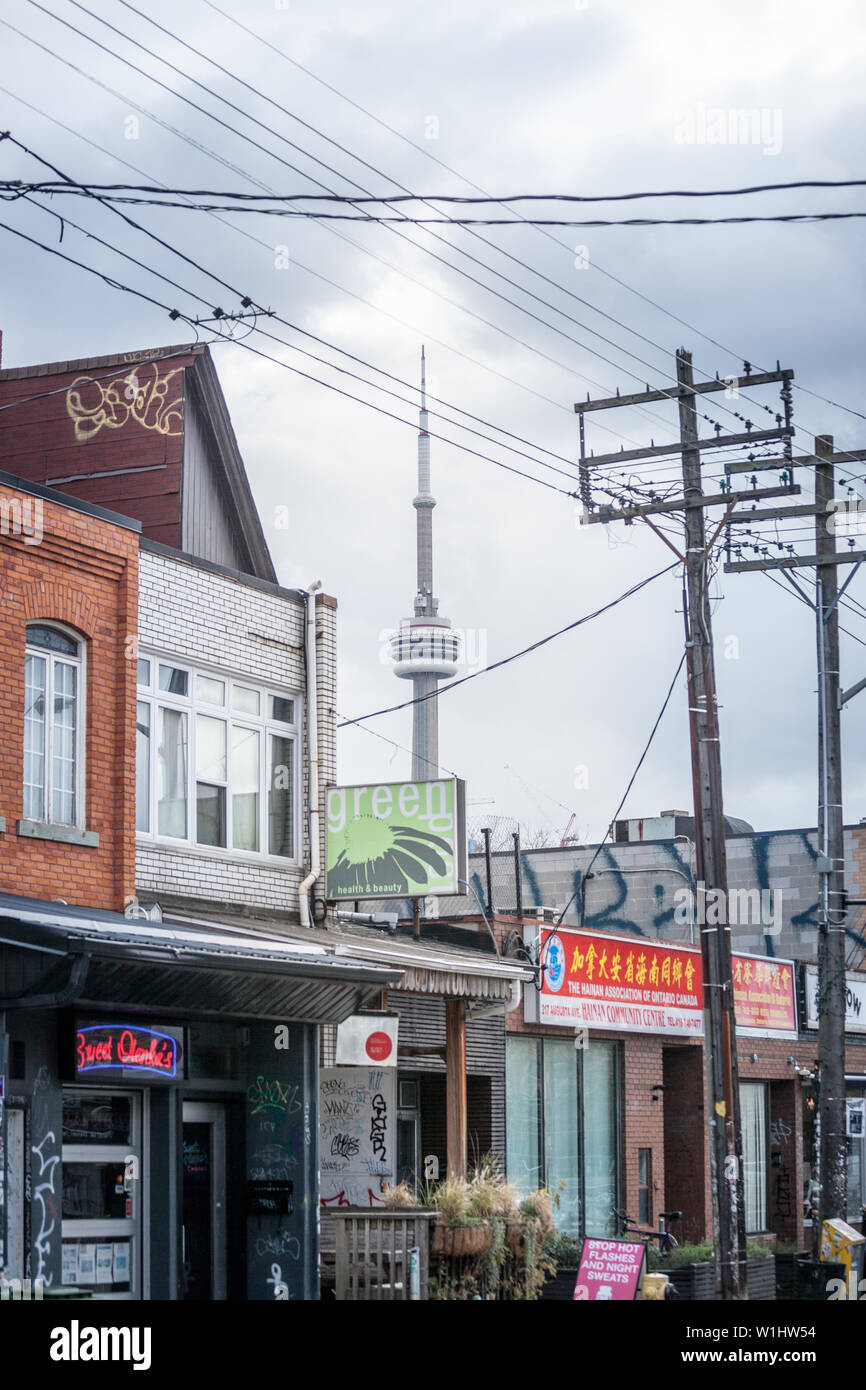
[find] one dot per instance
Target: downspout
(312, 758)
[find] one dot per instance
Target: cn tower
(426, 649)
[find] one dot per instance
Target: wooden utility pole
(709, 835)
(832, 1157)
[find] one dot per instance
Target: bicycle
(666, 1239)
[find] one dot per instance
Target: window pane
(171, 770)
(143, 671)
(246, 700)
(210, 749)
(51, 639)
(753, 1115)
(63, 746)
(245, 788)
(522, 1083)
(142, 766)
(561, 1151)
(92, 1119)
(93, 1191)
(281, 777)
(34, 738)
(210, 822)
(281, 709)
(172, 679)
(212, 691)
(599, 1128)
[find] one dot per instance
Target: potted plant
(760, 1271)
(458, 1231)
(690, 1268)
(562, 1252)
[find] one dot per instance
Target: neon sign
(125, 1047)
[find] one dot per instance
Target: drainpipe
(312, 758)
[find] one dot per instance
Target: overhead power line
(515, 656)
(175, 314)
(10, 191)
(388, 199)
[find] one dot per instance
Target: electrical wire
(515, 656)
(176, 314)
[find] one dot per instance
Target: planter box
(694, 1281)
(559, 1287)
(786, 1274)
(761, 1274)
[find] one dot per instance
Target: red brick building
(69, 579)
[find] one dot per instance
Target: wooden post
(455, 1086)
(831, 845)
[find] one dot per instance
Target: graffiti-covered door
(204, 1200)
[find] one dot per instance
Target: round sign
(379, 1047)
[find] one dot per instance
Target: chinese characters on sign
(591, 980)
(764, 997)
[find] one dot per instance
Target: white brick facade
(197, 615)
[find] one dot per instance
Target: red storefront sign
(764, 997)
(625, 984)
(609, 1270)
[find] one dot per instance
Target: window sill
(67, 834)
(250, 859)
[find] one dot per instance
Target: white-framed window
(216, 760)
(54, 685)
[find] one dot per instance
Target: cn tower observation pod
(425, 646)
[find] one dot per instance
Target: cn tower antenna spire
(426, 649)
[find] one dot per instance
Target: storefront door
(104, 1186)
(204, 1200)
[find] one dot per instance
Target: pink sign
(609, 1270)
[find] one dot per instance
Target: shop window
(562, 1127)
(753, 1117)
(216, 762)
(101, 1204)
(855, 1126)
(53, 726)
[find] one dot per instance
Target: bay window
(216, 761)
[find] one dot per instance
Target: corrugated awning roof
(163, 968)
(427, 967)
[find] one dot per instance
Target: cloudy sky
(600, 97)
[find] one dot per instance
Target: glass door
(102, 1192)
(204, 1200)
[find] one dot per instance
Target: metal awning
(105, 959)
(425, 967)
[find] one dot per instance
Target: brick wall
(253, 631)
(106, 431)
(82, 573)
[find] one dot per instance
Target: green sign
(396, 839)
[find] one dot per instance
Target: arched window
(53, 726)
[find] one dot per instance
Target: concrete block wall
(253, 631)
